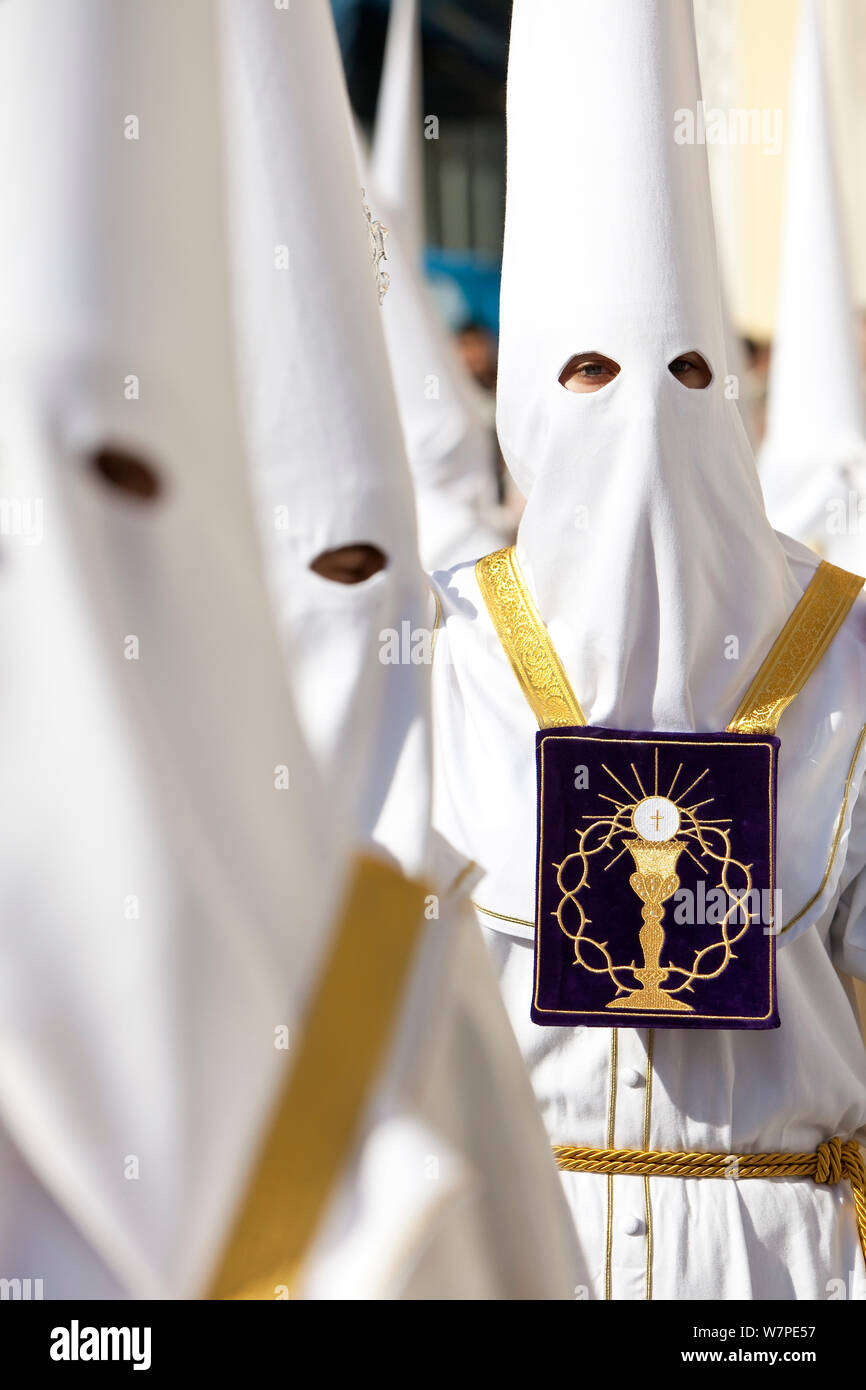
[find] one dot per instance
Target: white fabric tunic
(733, 1092)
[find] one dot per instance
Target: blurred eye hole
(349, 564)
(691, 370)
(588, 371)
(127, 472)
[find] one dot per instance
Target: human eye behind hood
(588, 371)
(691, 370)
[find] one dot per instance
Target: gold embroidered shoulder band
(797, 650)
(790, 662)
(521, 631)
(832, 1162)
(316, 1119)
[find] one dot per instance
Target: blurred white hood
(163, 911)
(814, 454)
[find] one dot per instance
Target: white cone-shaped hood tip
(397, 167)
(815, 447)
(450, 447)
(644, 536)
(448, 438)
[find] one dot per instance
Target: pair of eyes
(589, 371)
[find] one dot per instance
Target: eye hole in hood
(588, 371)
(127, 472)
(350, 564)
(691, 370)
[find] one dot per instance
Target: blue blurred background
(465, 49)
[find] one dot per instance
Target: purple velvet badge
(655, 884)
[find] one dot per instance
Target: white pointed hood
(449, 445)
(322, 424)
(814, 453)
(163, 908)
(448, 441)
(314, 395)
(397, 166)
(644, 538)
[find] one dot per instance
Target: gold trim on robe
(790, 662)
(524, 637)
(797, 650)
(792, 659)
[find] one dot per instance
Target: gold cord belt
(832, 1162)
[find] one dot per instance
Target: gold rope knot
(828, 1161)
(833, 1161)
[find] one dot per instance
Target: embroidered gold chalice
(655, 851)
(655, 830)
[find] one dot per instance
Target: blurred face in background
(477, 347)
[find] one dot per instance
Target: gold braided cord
(834, 1161)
